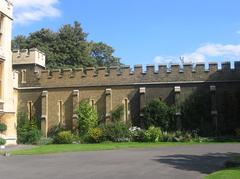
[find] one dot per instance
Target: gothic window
(30, 110)
(125, 108)
(24, 75)
(92, 103)
(60, 112)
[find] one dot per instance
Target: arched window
(125, 108)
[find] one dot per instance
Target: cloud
(164, 59)
(204, 52)
(238, 32)
(27, 11)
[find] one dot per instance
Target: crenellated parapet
(102, 76)
(28, 56)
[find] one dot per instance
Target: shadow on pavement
(205, 164)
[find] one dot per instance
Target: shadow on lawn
(205, 164)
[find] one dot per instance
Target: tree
(68, 47)
(20, 42)
(103, 54)
(87, 117)
(157, 114)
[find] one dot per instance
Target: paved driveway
(181, 162)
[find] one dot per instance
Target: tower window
(24, 75)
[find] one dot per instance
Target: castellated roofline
(162, 70)
(28, 56)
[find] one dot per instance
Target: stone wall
(55, 94)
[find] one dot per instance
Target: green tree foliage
(3, 127)
(157, 114)
(196, 114)
(117, 113)
(28, 132)
(68, 47)
(87, 117)
(103, 54)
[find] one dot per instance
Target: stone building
(53, 96)
(8, 92)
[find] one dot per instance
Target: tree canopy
(68, 47)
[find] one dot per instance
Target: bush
(2, 141)
(237, 132)
(3, 127)
(87, 117)
(158, 114)
(116, 132)
(54, 131)
(137, 134)
(179, 136)
(64, 137)
(153, 134)
(117, 114)
(27, 131)
(95, 135)
(45, 141)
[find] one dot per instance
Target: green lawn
(58, 148)
(230, 173)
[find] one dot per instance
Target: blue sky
(144, 31)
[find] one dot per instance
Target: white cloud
(164, 59)
(27, 11)
(204, 52)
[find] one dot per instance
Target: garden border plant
(3, 128)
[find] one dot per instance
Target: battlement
(162, 69)
(31, 56)
(103, 76)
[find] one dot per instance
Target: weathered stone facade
(53, 95)
(8, 92)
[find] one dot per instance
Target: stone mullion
(108, 98)
(75, 100)
(177, 101)
(142, 96)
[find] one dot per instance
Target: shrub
(3, 127)
(153, 134)
(2, 141)
(116, 132)
(237, 131)
(158, 114)
(45, 141)
(117, 114)
(87, 117)
(95, 135)
(179, 136)
(27, 131)
(55, 130)
(64, 137)
(196, 114)
(137, 134)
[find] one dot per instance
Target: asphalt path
(179, 162)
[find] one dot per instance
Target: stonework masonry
(56, 93)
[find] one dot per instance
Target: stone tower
(8, 96)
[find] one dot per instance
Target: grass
(230, 173)
(59, 148)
